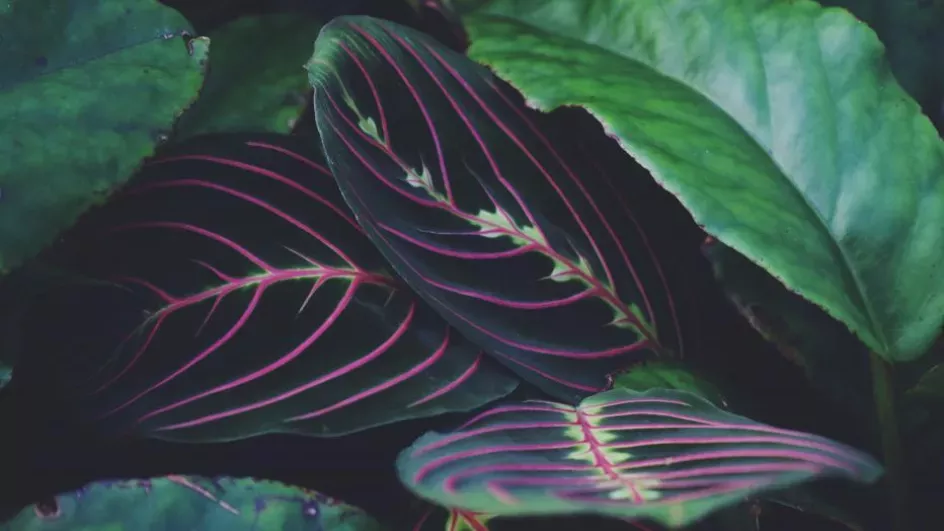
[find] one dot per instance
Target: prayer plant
(556, 243)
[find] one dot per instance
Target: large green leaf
(777, 123)
(257, 81)
(87, 89)
(191, 502)
(664, 455)
(913, 34)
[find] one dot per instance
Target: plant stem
(883, 391)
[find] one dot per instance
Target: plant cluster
(509, 226)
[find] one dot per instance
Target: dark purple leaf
(260, 306)
(664, 455)
(518, 239)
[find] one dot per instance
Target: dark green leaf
(87, 89)
(257, 78)
(778, 124)
(191, 503)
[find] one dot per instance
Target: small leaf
(517, 238)
(930, 385)
(87, 89)
(668, 375)
(777, 123)
(191, 502)
(244, 299)
(665, 455)
(256, 80)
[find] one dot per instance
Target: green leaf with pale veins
(87, 89)
(257, 81)
(778, 124)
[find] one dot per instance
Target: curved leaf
(256, 81)
(87, 89)
(913, 36)
(191, 502)
(665, 455)
(777, 123)
(518, 240)
(257, 305)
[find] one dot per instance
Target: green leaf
(257, 81)
(87, 89)
(668, 375)
(931, 385)
(191, 502)
(777, 123)
(665, 455)
(913, 34)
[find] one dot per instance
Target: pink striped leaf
(664, 455)
(262, 305)
(513, 235)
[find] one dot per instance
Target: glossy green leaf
(668, 375)
(191, 503)
(665, 455)
(913, 34)
(778, 124)
(87, 89)
(257, 81)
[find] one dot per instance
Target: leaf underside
(249, 302)
(663, 455)
(518, 239)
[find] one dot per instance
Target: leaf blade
(665, 455)
(83, 55)
(764, 97)
(483, 213)
(257, 306)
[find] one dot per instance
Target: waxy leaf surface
(87, 89)
(261, 306)
(191, 503)
(778, 124)
(518, 239)
(664, 455)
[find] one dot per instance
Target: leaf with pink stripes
(663, 455)
(262, 306)
(515, 236)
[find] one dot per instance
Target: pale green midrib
(864, 304)
(10, 87)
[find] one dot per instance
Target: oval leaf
(778, 124)
(119, 74)
(191, 502)
(523, 245)
(259, 306)
(664, 455)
